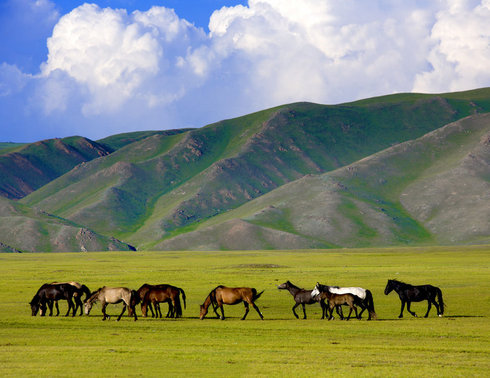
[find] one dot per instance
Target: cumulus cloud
(154, 69)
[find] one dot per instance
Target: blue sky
(101, 68)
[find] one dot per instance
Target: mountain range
(405, 169)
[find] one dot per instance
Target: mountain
(23, 229)
(161, 190)
(432, 190)
(27, 167)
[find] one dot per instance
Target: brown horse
(337, 300)
(156, 294)
(230, 295)
(106, 295)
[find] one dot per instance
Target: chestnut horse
(156, 294)
(106, 295)
(230, 295)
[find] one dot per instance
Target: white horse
(106, 295)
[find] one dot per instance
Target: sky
(101, 68)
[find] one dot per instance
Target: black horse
(302, 297)
(80, 290)
(48, 294)
(409, 293)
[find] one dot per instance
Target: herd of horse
(150, 297)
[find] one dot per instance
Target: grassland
(456, 345)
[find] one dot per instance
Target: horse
(47, 294)
(409, 293)
(337, 300)
(113, 295)
(156, 294)
(301, 297)
(364, 301)
(221, 295)
(81, 289)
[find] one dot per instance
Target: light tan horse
(113, 295)
(230, 295)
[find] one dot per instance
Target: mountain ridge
(160, 186)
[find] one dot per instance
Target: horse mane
(294, 286)
(93, 296)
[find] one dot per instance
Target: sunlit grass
(457, 344)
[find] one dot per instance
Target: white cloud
(108, 71)
(460, 56)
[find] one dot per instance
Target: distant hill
(190, 188)
(432, 190)
(26, 230)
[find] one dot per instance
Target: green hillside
(26, 167)
(432, 190)
(23, 229)
(160, 187)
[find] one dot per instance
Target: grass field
(455, 345)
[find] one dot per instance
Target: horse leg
(401, 311)
(222, 311)
(429, 305)
(104, 305)
(70, 306)
(340, 313)
(57, 308)
(408, 309)
(350, 312)
(122, 312)
(331, 311)
(322, 305)
(50, 305)
(304, 310)
(294, 312)
(258, 311)
(133, 308)
(246, 310)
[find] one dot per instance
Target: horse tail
(370, 304)
(255, 295)
(441, 302)
(183, 295)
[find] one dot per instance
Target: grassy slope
(27, 230)
(30, 166)
(148, 195)
(455, 345)
(433, 189)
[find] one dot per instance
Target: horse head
(284, 286)
(390, 285)
(203, 312)
(316, 291)
(87, 307)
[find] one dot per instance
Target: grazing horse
(364, 297)
(113, 295)
(409, 293)
(81, 289)
(47, 294)
(230, 295)
(156, 294)
(301, 297)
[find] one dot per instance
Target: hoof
(440, 315)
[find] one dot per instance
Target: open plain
(457, 344)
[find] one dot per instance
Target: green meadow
(456, 345)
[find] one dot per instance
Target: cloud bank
(108, 71)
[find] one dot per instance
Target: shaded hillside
(26, 230)
(435, 189)
(26, 168)
(164, 185)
